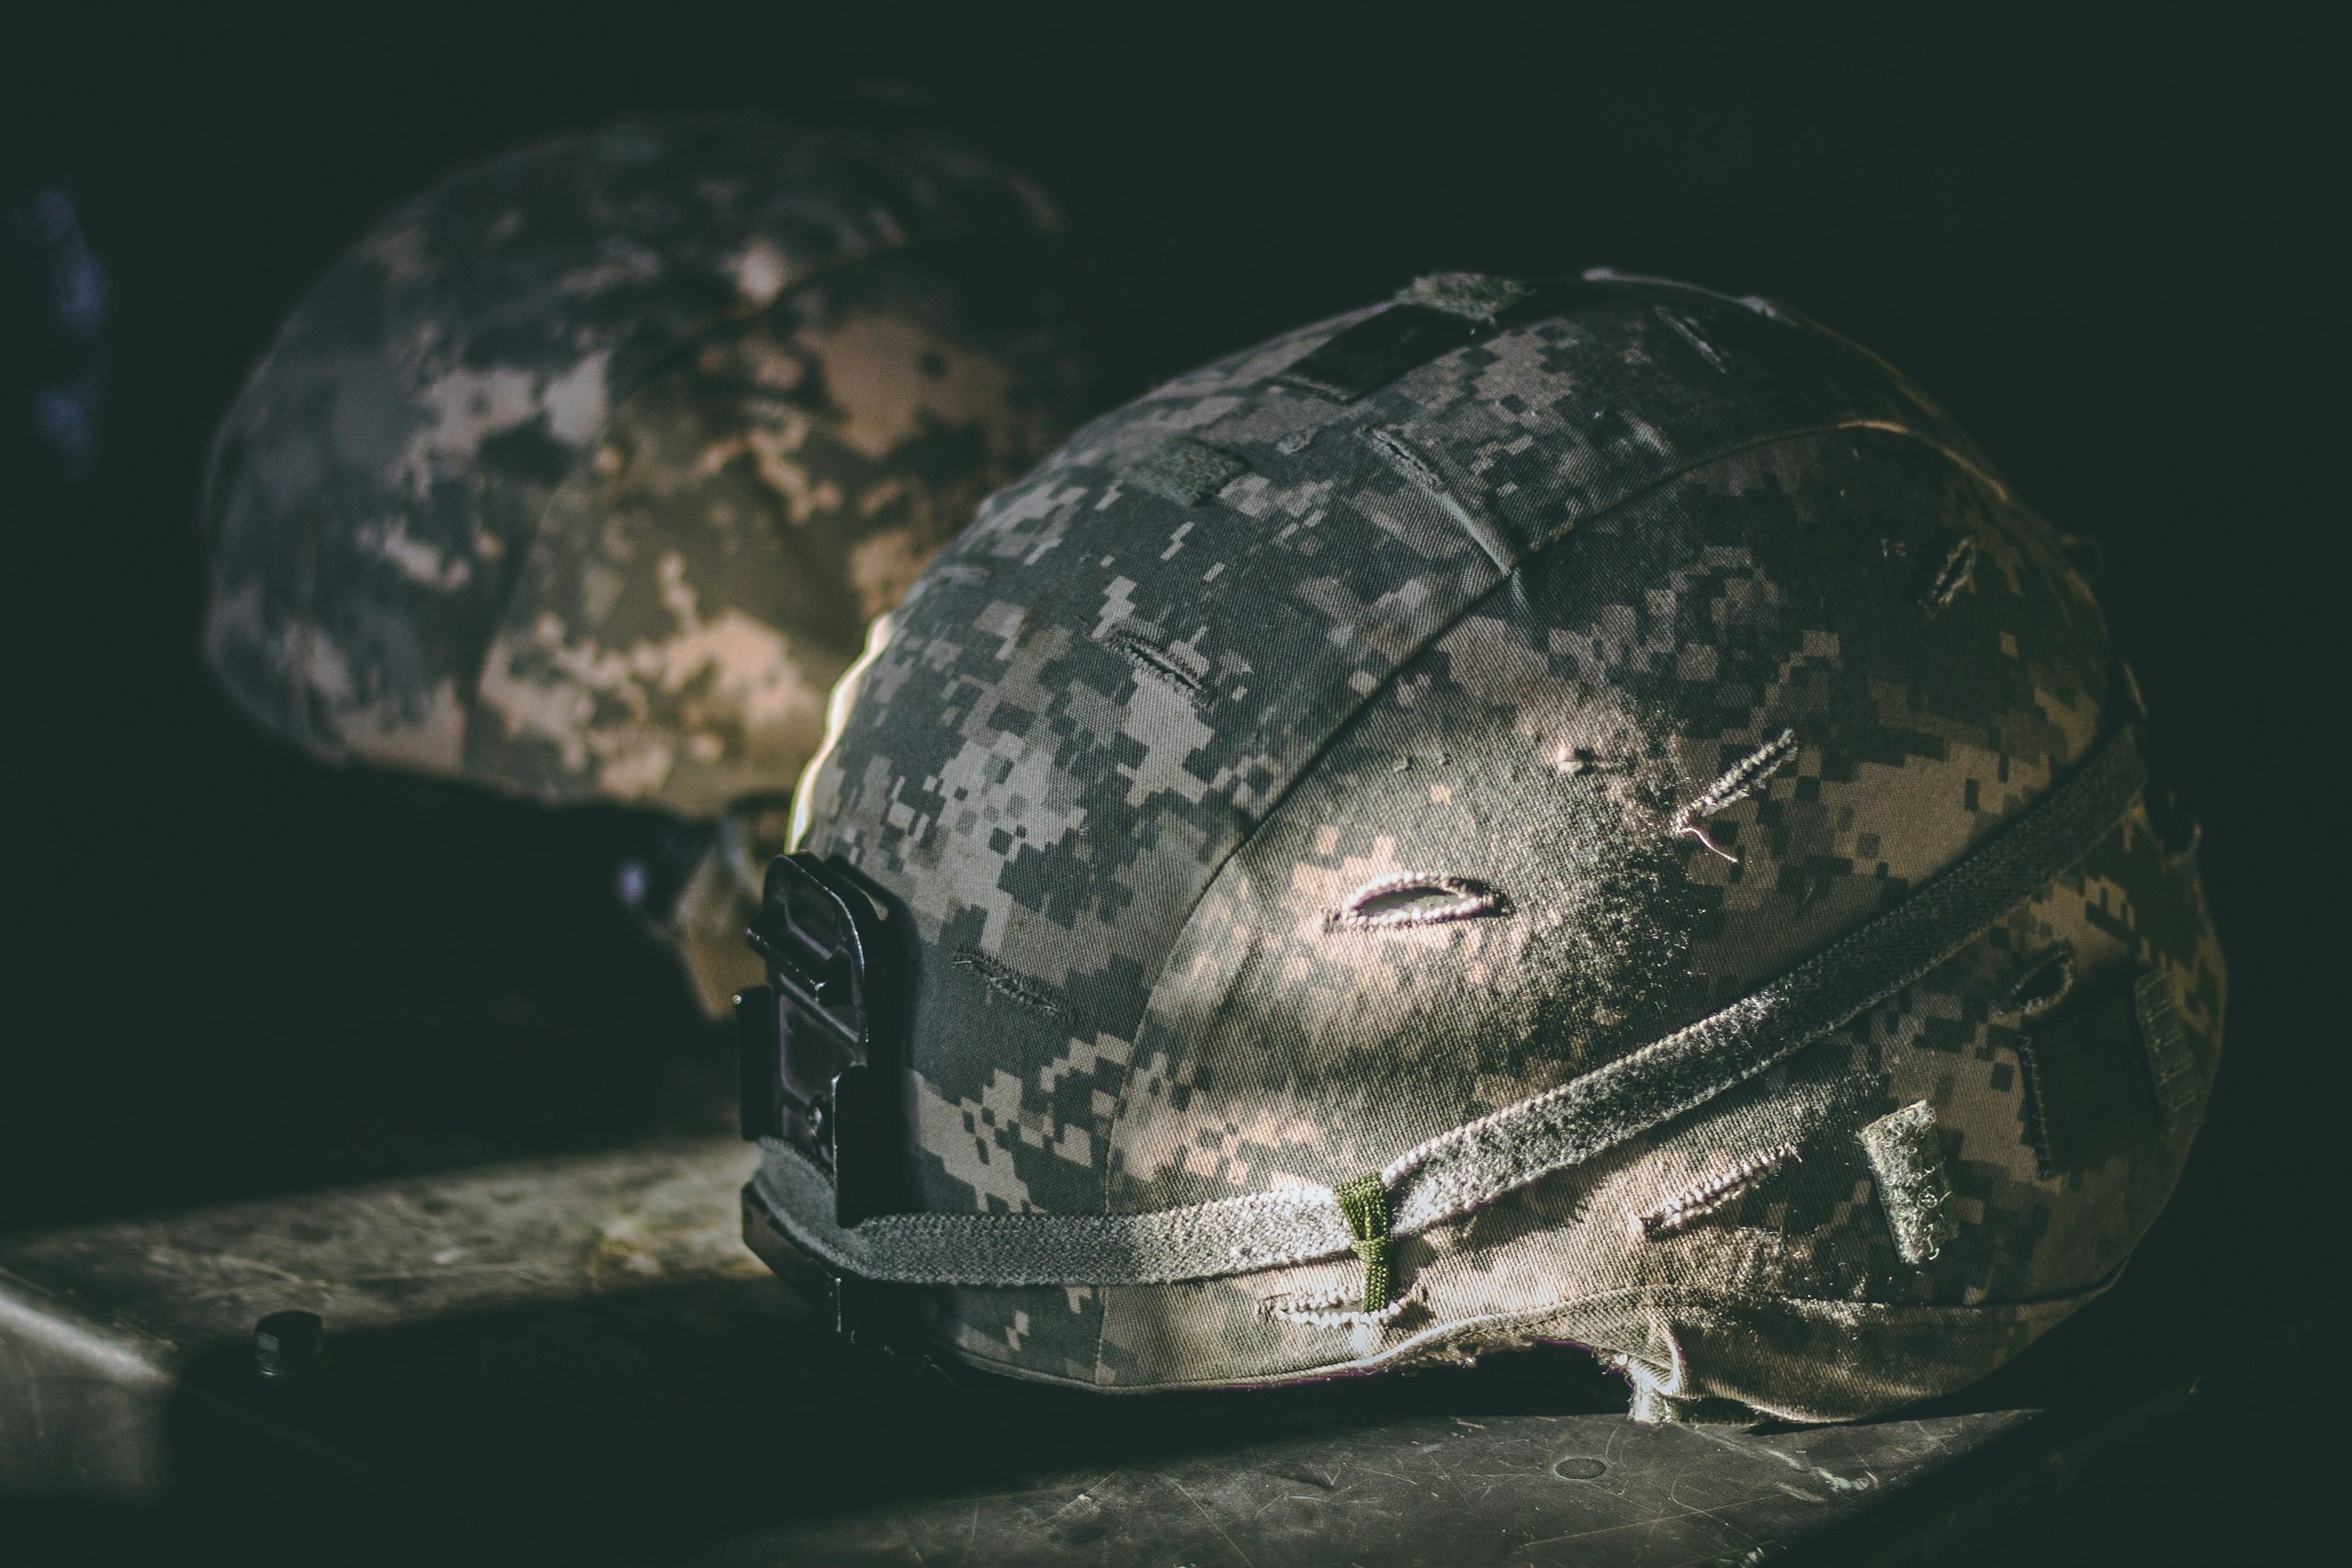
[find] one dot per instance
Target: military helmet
(579, 478)
(1574, 812)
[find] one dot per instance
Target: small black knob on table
(287, 1344)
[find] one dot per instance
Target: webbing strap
(1459, 1171)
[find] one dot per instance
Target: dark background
(2111, 241)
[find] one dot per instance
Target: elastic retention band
(1364, 1202)
(1462, 1171)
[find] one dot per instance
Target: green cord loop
(1364, 1202)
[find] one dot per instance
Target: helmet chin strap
(1460, 1171)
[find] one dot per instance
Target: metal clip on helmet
(1583, 812)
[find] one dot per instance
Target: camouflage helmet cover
(1580, 813)
(578, 477)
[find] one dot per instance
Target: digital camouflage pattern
(579, 475)
(1683, 634)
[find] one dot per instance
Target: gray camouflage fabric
(579, 476)
(1560, 690)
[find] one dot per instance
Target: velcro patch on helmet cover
(1913, 1190)
(1184, 471)
(1376, 351)
(2089, 1094)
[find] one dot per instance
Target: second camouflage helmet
(1580, 813)
(579, 476)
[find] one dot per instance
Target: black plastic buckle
(819, 1042)
(853, 1306)
(870, 1316)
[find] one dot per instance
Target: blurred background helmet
(1585, 812)
(579, 478)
